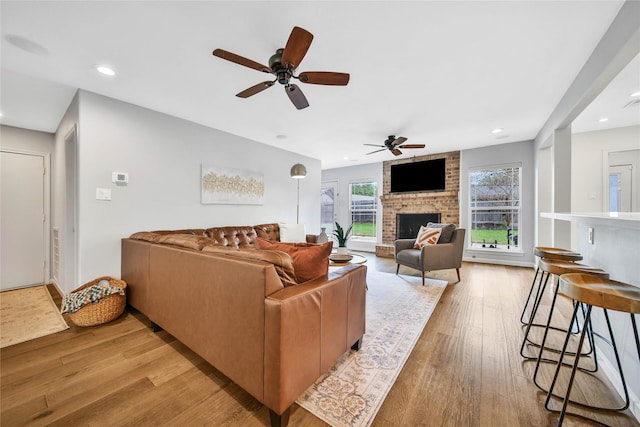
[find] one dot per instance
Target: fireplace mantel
(392, 197)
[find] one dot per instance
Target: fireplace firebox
(408, 225)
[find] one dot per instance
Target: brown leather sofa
(234, 310)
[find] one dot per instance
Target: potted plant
(342, 237)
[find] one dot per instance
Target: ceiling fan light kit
(394, 144)
(283, 65)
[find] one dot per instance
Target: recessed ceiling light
(346, 157)
(604, 119)
(634, 94)
(107, 71)
(497, 130)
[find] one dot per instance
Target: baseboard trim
(55, 284)
(509, 262)
(362, 246)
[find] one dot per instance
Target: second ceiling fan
(283, 65)
(394, 144)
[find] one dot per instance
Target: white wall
(544, 194)
(163, 156)
(589, 163)
(12, 138)
(345, 176)
(517, 152)
(63, 200)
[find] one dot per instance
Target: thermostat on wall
(120, 178)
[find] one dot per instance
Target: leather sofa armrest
(308, 328)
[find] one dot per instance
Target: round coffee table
(357, 259)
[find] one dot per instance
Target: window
(363, 206)
(494, 194)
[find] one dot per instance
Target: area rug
(26, 314)
(398, 308)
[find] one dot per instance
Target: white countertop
(612, 219)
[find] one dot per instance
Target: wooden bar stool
(557, 268)
(593, 291)
(556, 254)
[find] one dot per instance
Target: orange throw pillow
(427, 236)
(309, 260)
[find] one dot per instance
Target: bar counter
(615, 247)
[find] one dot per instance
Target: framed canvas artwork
(221, 185)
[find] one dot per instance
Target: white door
(620, 190)
(22, 215)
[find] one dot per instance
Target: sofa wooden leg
(155, 327)
(279, 420)
(356, 346)
(423, 278)
(458, 271)
(397, 269)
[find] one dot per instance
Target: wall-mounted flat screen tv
(427, 175)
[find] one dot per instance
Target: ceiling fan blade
(413, 146)
(375, 145)
(396, 152)
(376, 151)
(255, 89)
(220, 53)
(296, 96)
(324, 78)
(297, 46)
(399, 141)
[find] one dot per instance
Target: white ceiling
(440, 73)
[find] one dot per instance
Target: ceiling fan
(393, 144)
(283, 65)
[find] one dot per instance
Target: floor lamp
(298, 171)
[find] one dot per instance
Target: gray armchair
(440, 256)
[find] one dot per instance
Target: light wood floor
(464, 371)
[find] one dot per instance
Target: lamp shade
(298, 171)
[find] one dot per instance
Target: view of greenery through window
(363, 204)
(495, 207)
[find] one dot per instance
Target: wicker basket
(107, 309)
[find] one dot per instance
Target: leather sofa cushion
(447, 231)
(147, 236)
(185, 240)
(268, 231)
(281, 260)
(243, 237)
(309, 260)
(193, 231)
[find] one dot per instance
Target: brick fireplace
(444, 203)
(408, 224)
